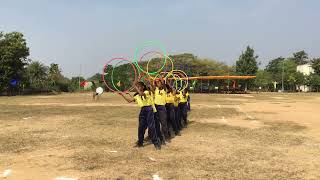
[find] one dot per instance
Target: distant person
(159, 91)
(177, 110)
(188, 102)
(183, 106)
(146, 117)
(94, 93)
(171, 110)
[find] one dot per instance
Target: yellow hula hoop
(172, 67)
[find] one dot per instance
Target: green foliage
(74, 84)
(300, 57)
(37, 74)
(314, 81)
(263, 79)
(57, 82)
(13, 57)
(95, 78)
(247, 63)
(275, 68)
(295, 79)
(286, 67)
(316, 65)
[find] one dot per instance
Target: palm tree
(37, 73)
(54, 74)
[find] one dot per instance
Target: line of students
(161, 106)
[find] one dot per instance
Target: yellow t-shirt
(182, 98)
(143, 101)
(170, 98)
(176, 100)
(152, 102)
(160, 97)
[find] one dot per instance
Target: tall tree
(300, 57)
(275, 68)
(74, 83)
(13, 57)
(315, 82)
(247, 65)
(263, 79)
(37, 73)
(54, 73)
(55, 77)
(316, 65)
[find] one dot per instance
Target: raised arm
(152, 85)
(128, 99)
(163, 83)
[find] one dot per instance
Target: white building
(305, 69)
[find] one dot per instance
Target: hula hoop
(135, 59)
(156, 52)
(112, 81)
(105, 68)
(185, 76)
(175, 77)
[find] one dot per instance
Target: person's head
(158, 83)
(185, 90)
(169, 88)
(141, 86)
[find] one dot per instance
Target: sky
(87, 33)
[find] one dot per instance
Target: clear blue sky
(88, 32)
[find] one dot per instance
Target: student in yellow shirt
(159, 91)
(189, 105)
(177, 110)
(170, 110)
(146, 117)
(183, 107)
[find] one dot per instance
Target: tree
(13, 57)
(283, 68)
(57, 82)
(315, 82)
(247, 64)
(54, 74)
(74, 83)
(37, 73)
(290, 76)
(316, 65)
(263, 79)
(300, 57)
(274, 67)
(297, 79)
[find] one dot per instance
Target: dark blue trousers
(171, 117)
(146, 120)
(183, 107)
(189, 106)
(177, 117)
(161, 119)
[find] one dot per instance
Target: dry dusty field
(252, 136)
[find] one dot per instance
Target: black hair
(143, 85)
(169, 88)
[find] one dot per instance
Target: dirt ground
(252, 136)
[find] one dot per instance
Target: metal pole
(79, 78)
(282, 89)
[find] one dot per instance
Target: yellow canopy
(217, 77)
